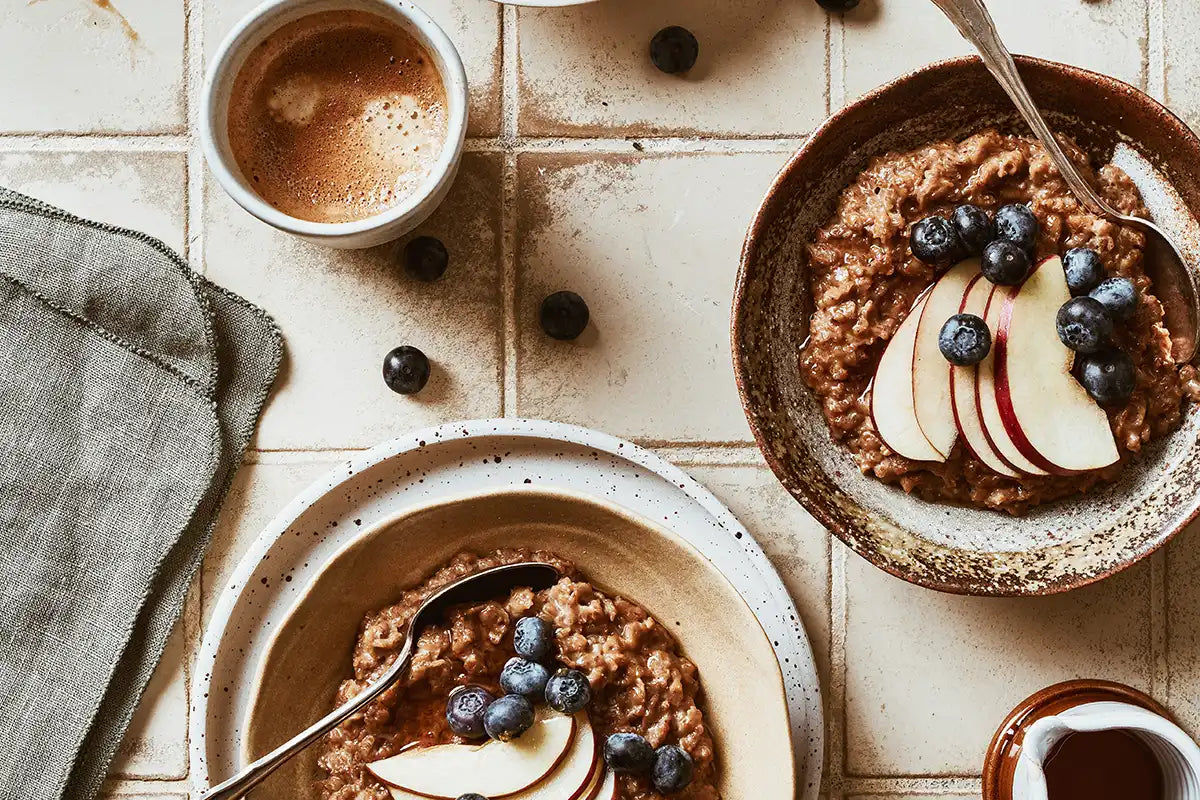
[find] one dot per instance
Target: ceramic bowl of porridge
(641, 646)
(959, 370)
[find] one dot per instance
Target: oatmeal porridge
(640, 683)
(865, 279)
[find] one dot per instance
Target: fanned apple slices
(556, 759)
(1020, 410)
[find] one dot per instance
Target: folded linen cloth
(129, 389)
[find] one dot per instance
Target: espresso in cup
(337, 116)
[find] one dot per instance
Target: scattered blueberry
(1084, 325)
(975, 228)
(465, 710)
(673, 769)
(524, 677)
(426, 259)
(471, 796)
(508, 717)
(837, 5)
(1118, 295)
(628, 752)
(533, 638)
(406, 370)
(674, 50)
(1108, 376)
(1017, 224)
(1084, 270)
(1004, 263)
(568, 691)
(564, 316)
(934, 240)
(965, 340)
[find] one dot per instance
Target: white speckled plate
(450, 461)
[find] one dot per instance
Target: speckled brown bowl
(1058, 546)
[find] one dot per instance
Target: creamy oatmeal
(641, 683)
(865, 279)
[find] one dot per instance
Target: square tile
(85, 67)
(144, 191)
(886, 38)
(156, 743)
(1183, 631)
(1182, 63)
(473, 26)
(929, 676)
(586, 70)
(342, 311)
(652, 243)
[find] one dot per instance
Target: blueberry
(465, 710)
(1084, 270)
(1118, 295)
(508, 717)
(1004, 263)
(628, 752)
(523, 677)
(471, 796)
(1083, 325)
(674, 50)
(1108, 376)
(406, 370)
(934, 240)
(533, 638)
(965, 340)
(564, 315)
(673, 769)
(837, 5)
(975, 228)
(568, 691)
(1017, 224)
(425, 259)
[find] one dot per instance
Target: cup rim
(257, 23)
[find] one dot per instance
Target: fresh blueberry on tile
(406, 370)
(674, 50)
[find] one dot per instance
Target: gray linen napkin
(129, 389)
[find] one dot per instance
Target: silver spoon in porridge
(1174, 283)
(475, 588)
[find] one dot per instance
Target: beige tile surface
(885, 38)
(657, 276)
(145, 191)
(929, 676)
(72, 66)
(1183, 634)
(342, 311)
(1182, 64)
(156, 744)
(473, 26)
(587, 70)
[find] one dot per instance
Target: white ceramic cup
(385, 226)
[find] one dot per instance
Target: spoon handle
(973, 21)
(257, 772)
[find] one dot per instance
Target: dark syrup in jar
(1104, 765)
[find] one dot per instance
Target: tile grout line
(508, 205)
(1156, 50)
(1160, 634)
(835, 704)
(930, 785)
(836, 96)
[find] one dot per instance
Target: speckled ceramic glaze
(372, 496)
(621, 554)
(1057, 547)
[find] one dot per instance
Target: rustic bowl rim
(751, 247)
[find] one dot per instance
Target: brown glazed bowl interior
(1056, 547)
(744, 699)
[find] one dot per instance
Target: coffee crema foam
(337, 116)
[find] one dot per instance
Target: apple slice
(892, 405)
(1048, 415)
(931, 390)
(592, 790)
(985, 392)
(962, 389)
(607, 790)
(496, 769)
(522, 769)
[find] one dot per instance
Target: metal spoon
(471, 589)
(1173, 282)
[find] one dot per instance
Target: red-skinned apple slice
(554, 759)
(892, 404)
(985, 392)
(931, 390)
(607, 790)
(1048, 415)
(963, 385)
